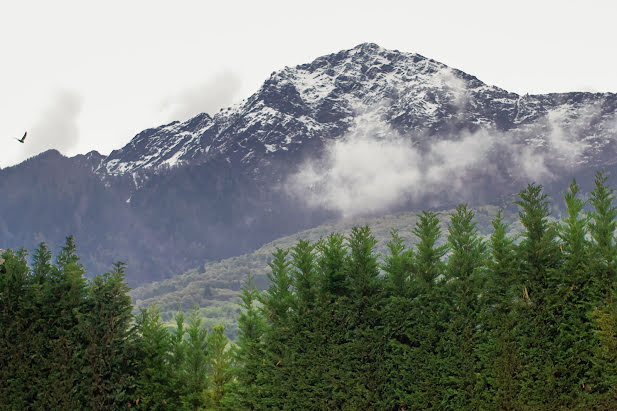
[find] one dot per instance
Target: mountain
(364, 131)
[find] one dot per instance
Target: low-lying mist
(374, 168)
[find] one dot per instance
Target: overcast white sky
(82, 75)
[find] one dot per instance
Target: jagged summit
(300, 107)
(302, 103)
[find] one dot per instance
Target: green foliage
(20, 344)
(603, 256)
(429, 264)
(304, 275)
(66, 340)
(278, 298)
(501, 363)
(573, 307)
(362, 266)
(245, 391)
(604, 391)
(103, 325)
(362, 348)
(153, 347)
(428, 312)
(539, 256)
(331, 263)
(220, 362)
(602, 227)
(195, 365)
(464, 274)
(538, 250)
(398, 266)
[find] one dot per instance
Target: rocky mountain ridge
(320, 100)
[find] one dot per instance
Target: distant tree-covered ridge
(215, 287)
(455, 321)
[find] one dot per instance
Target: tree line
(525, 322)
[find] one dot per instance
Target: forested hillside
(215, 288)
(465, 323)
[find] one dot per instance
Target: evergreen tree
(196, 365)
(17, 359)
(220, 368)
(538, 250)
(574, 341)
(153, 347)
(539, 254)
(501, 362)
(63, 298)
(278, 298)
(361, 264)
(363, 347)
(330, 326)
(602, 227)
(278, 302)
(107, 374)
(429, 264)
(459, 343)
(35, 325)
(603, 257)
(245, 391)
(304, 382)
(331, 265)
(68, 347)
(428, 312)
(398, 266)
(41, 263)
(397, 316)
(304, 275)
(177, 358)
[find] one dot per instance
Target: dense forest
(525, 322)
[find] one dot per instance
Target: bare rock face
(365, 130)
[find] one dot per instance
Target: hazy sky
(81, 75)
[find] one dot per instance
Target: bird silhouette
(22, 139)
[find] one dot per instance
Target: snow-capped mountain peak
(299, 111)
(297, 104)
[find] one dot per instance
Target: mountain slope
(50, 196)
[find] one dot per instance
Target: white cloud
(530, 164)
(206, 97)
(567, 131)
(613, 125)
(373, 168)
(455, 85)
(57, 126)
(360, 174)
(447, 158)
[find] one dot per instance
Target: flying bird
(22, 139)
